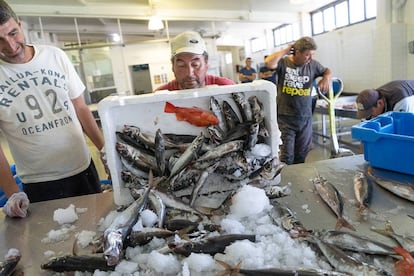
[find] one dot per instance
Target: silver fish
(268, 171)
(210, 246)
(219, 113)
(160, 151)
(216, 134)
(144, 236)
(188, 155)
(407, 242)
(133, 181)
(253, 136)
(352, 241)
(229, 270)
(232, 119)
(155, 201)
(117, 232)
(333, 199)
(77, 263)
(362, 191)
(404, 190)
(133, 169)
(186, 178)
(345, 263)
(175, 203)
(8, 266)
(243, 105)
(200, 183)
(221, 150)
(257, 109)
(139, 136)
(137, 158)
(284, 217)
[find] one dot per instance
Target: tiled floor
(321, 149)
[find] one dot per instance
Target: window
(342, 13)
(285, 34)
(257, 44)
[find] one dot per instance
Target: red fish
(404, 267)
(194, 115)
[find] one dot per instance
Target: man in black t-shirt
(296, 71)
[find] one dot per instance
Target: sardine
(243, 105)
(229, 270)
(210, 246)
(175, 203)
(404, 190)
(221, 150)
(184, 179)
(362, 191)
(217, 110)
(145, 235)
(284, 217)
(188, 155)
(133, 181)
(333, 199)
(232, 119)
(200, 183)
(160, 151)
(268, 171)
(155, 201)
(354, 242)
(8, 266)
(137, 158)
(253, 136)
(77, 263)
(257, 109)
(117, 232)
(140, 137)
(407, 242)
(345, 263)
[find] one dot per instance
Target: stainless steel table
(340, 172)
(27, 234)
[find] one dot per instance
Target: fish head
(113, 245)
(182, 248)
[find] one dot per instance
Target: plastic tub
(388, 141)
(147, 112)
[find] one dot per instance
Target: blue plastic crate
(388, 141)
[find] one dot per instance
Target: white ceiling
(95, 20)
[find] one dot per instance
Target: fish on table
(212, 245)
(403, 190)
(331, 196)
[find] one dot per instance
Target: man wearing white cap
(189, 60)
(393, 96)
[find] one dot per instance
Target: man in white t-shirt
(44, 117)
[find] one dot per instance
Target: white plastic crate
(147, 112)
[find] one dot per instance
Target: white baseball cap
(188, 42)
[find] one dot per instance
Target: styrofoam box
(147, 112)
(388, 141)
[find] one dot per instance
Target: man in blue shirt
(267, 73)
(247, 73)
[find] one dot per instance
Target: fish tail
(341, 222)
(169, 107)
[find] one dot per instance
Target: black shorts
(86, 182)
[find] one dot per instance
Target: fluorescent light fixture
(115, 37)
(155, 23)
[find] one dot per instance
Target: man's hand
(17, 205)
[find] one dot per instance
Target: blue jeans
(296, 138)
